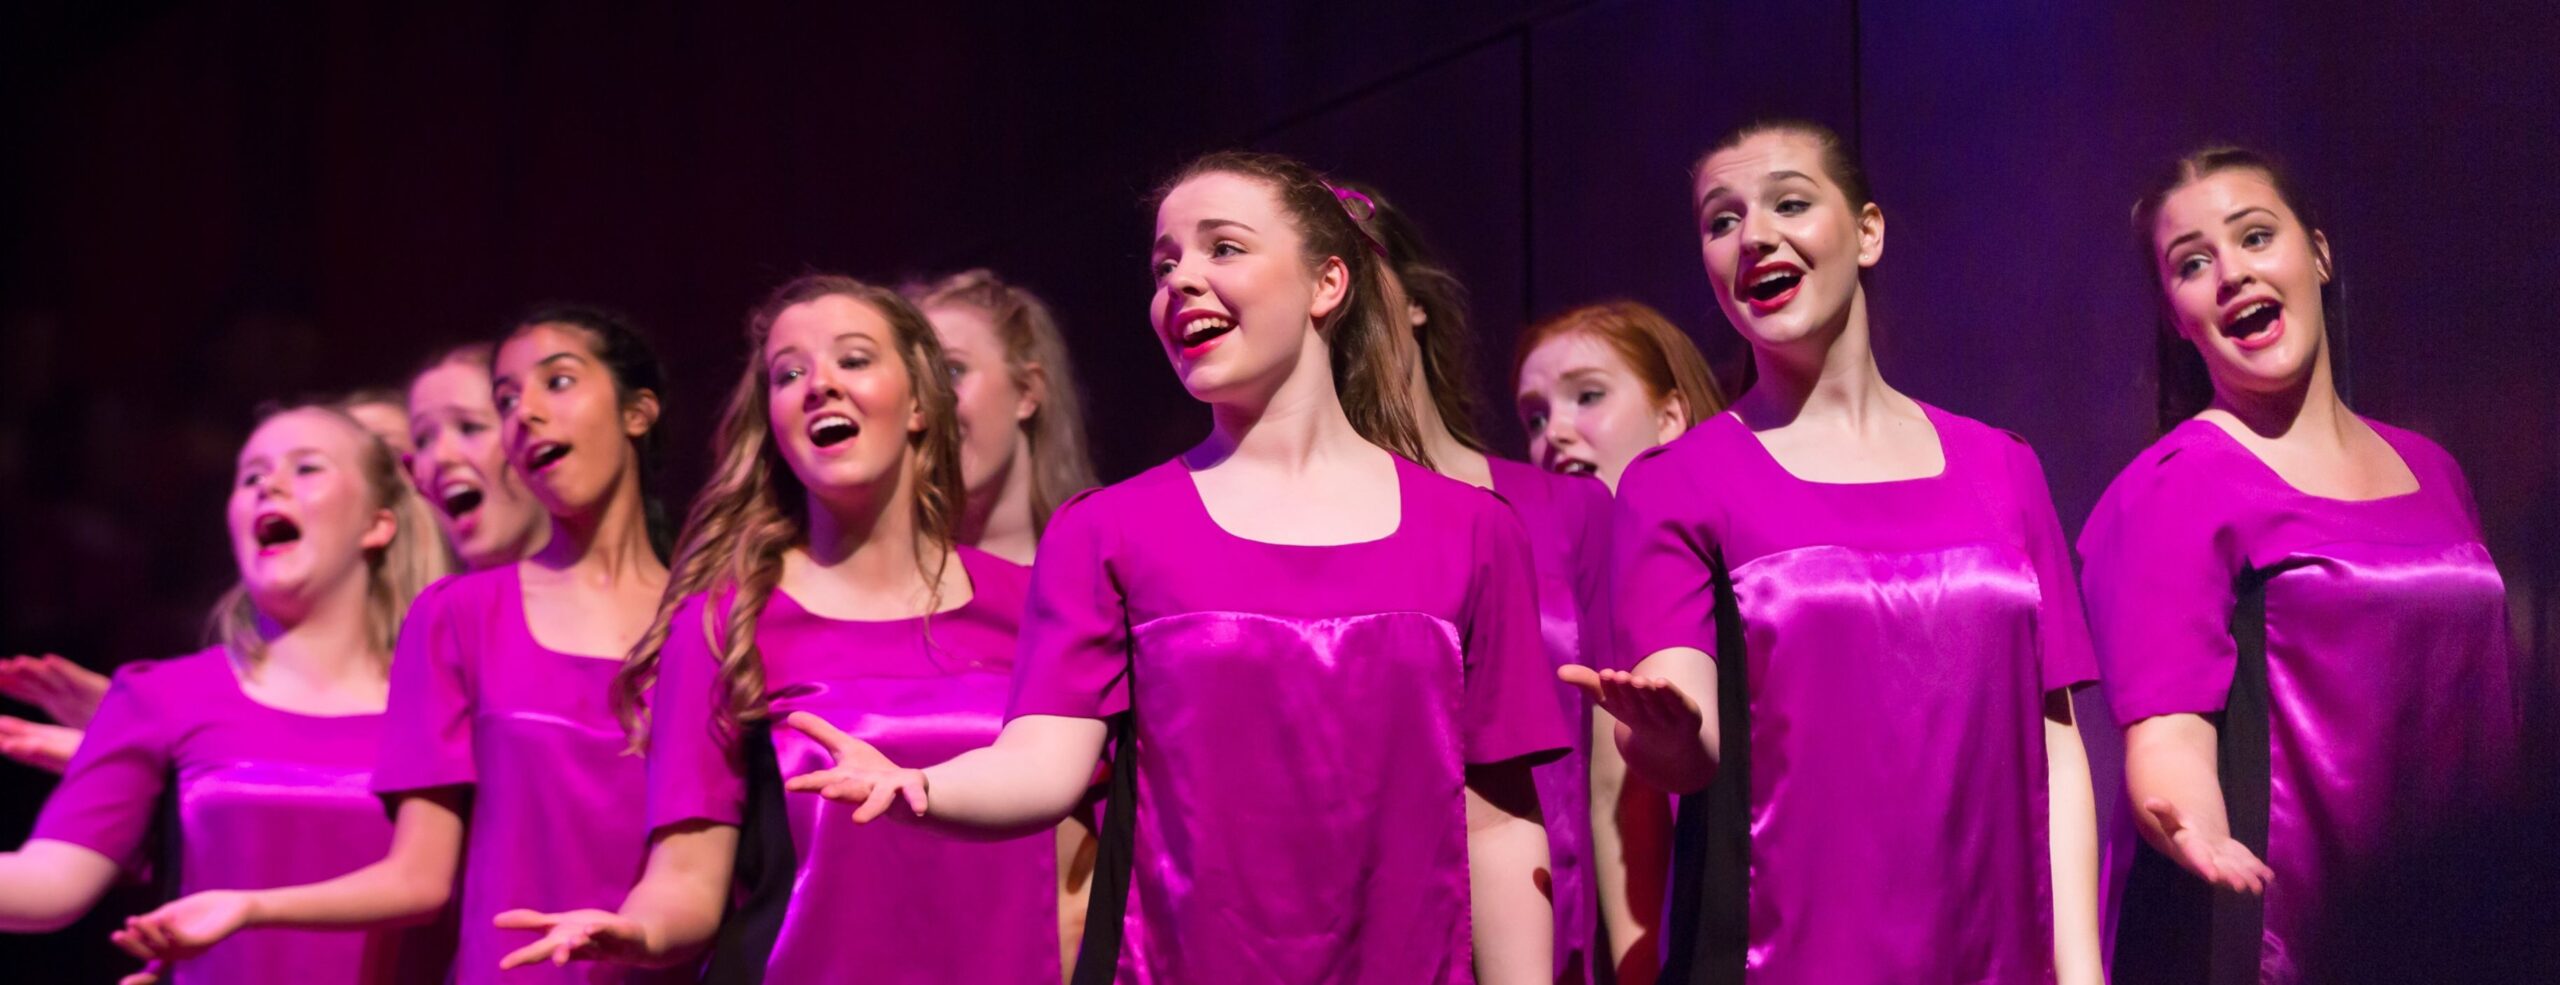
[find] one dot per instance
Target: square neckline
(968, 571)
(1404, 509)
(524, 621)
(1937, 431)
(2378, 429)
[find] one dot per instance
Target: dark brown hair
(1839, 160)
(1447, 347)
(2185, 388)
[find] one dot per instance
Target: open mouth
(543, 454)
(1773, 286)
(275, 531)
(2252, 321)
(1575, 466)
(832, 430)
(458, 498)
(1201, 331)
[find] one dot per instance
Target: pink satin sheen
(555, 821)
(1568, 522)
(2392, 725)
(265, 798)
(1268, 838)
(893, 900)
(1895, 703)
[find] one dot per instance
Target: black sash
(1711, 841)
(766, 864)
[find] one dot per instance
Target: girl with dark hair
(1847, 631)
(2302, 630)
(819, 582)
(259, 744)
(501, 756)
(1322, 659)
(1567, 521)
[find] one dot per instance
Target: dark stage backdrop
(214, 204)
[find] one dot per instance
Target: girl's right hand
(1648, 709)
(578, 935)
(45, 747)
(860, 776)
(186, 927)
(2214, 857)
(65, 690)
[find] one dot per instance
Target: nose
(822, 388)
(1184, 280)
(1559, 431)
(1759, 234)
(2234, 276)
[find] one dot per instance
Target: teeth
(455, 488)
(831, 421)
(1771, 275)
(2253, 310)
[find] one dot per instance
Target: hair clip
(1361, 208)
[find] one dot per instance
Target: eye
(306, 468)
(248, 479)
(786, 375)
(1534, 421)
(1162, 268)
(1722, 223)
(958, 370)
(2189, 265)
(559, 381)
(505, 402)
(1226, 248)
(1793, 206)
(2255, 238)
(469, 429)
(1588, 397)
(853, 361)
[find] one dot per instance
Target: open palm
(861, 776)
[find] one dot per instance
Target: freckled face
(1586, 410)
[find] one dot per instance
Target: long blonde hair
(394, 573)
(1060, 465)
(754, 507)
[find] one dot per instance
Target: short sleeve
(1510, 693)
(426, 726)
(1661, 585)
(1073, 658)
(695, 771)
(2067, 658)
(111, 791)
(2158, 572)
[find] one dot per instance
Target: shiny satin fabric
(1280, 840)
(1567, 520)
(258, 824)
(930, 907)
(1898, 807)
(2389, 735)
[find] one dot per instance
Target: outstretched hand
(45, 747)
(152, 973)
(2216, 858)
(578, 935)
(186, 927)
(66, 691)
(1640, 704)
(860, 776)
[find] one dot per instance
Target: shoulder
(183, 679)
(2183, 473)
(1137, 496)
(994, 579)
(2423, 455)
(467, 590)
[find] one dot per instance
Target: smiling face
(300, 515)
(1586, 410)
(994, 399)
(2242, 278)
(842, 407)
(564, 425)
(1783, 244)
(460, 466)
(1237, 299)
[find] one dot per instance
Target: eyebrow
(2172, 245)
(1773, 176)
(545, 361)
(838, 337)
(1209, 224)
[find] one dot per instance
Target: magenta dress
(1568, 522)
(2358, 652)
(1303, 719)
(891, 901)
(556, 820)
(263, 798)
(1880, 813)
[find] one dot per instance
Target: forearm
(678, 901)
(2172, 758)
(2073, 843)
(1030, 778)
(1630, 839)
(1513, 925)
(47, 884)
(408, 886)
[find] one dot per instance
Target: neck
(868, 536)
(330, 641)
(610, 543)
(1831, 376)
(999, 520)
(2309, 408)
(1301, 422)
